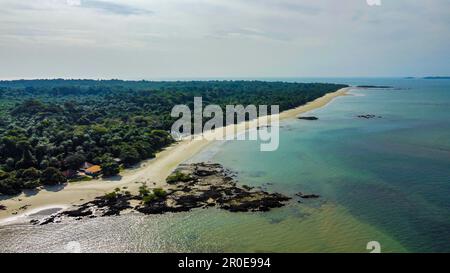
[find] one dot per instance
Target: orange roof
(94, 169)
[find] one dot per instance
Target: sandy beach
(153, 172)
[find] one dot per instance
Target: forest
(51, 126)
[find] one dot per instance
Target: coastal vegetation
(49, 129)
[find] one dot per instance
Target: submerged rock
(308, 118)
(370, 116)
(307, 196)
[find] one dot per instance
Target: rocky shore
(190, 186)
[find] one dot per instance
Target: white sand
(152, 171)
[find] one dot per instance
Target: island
(374, 86)
(437, 78)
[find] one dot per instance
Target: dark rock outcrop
(307, 196)
(369, 116)
(308, 118)
(208, 185)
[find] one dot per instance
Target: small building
(85, 166)
(72, 174)
(69, 174)
(94, 170)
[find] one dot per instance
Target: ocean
(385, 179)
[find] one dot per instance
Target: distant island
(437, 78)
(430, 78)
(374, 86)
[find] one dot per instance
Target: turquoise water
(392, 174)
(385, 180)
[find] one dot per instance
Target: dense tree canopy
(49, 126)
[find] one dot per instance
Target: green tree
(148, 199)
(159, 192)
(52, 176)
(111, 196)
(74, 161)
(54, 162)
(143, 190)
(129, 155)
(27, 159)
(30, 178)
(110, 168)
(9, 185)
(10, 163)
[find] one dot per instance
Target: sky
(154, 39)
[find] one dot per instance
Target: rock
(203, 172)
(308, 118)
(24, 207)
(369, 116)
(307, 196)
(211, 185)
(47, 220)
(79, 212)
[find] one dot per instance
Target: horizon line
(216, 78)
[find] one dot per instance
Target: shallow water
(384, 180)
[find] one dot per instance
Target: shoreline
(153, 172)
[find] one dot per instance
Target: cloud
(290, 6)
(116, 38)
(247, 32)
(73, 2)
(303, 9)
(108, 7)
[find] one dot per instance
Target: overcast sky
(150, 39)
